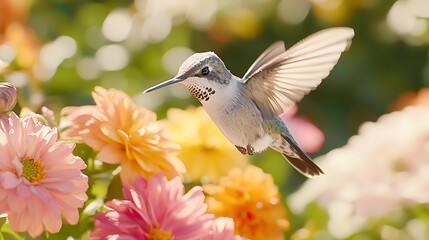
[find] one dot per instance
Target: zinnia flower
(206, 153)
(40, 178)
(8, 97)
(251, 198)
(125, 134)
(309, 137)
(16, 32)
(155, 209)
(381, 169)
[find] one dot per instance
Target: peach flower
(125, 134)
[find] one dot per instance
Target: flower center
(32, 170)
(159, 234)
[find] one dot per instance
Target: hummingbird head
(202, 74)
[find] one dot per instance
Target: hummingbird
(247, 109)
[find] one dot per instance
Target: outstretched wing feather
(277, 80)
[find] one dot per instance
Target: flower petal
(9, 180)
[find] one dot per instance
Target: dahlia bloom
(379, 170)
(206, 153)
(155, 209)
(309, 137)
(250, 197)
(125, 134)
(40, 179)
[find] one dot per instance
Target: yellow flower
(251, 198)
(206, 153)
(125, 134)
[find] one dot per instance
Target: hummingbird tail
(296, 157)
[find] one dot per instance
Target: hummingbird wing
(277, 79)
(270, 53)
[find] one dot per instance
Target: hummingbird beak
(165, 83)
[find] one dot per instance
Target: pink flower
(155, 209)
(308, 136)
(222, 228)
(40, 178)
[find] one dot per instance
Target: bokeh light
(112, 57)
(299, 13)
(7, 53)
(174, 57)
(52, 55)
(87, 68)
(407, 17)
(117, 25)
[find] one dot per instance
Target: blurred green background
(68, 47)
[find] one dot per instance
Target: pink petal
(35, 228)
(71, 215)
(19, 221)
(36, 210)
(9, 180)
(23, 191)
(17, 203)
(52, 222)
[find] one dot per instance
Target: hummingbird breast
(237, 117)
(201, 93)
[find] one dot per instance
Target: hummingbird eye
(205, 70)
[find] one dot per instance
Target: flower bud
(8, 97)
(46, 117)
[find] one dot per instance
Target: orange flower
(251, 198)
(16, 32)
(12, 11)
(125, 134)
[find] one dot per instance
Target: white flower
(384, 166)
